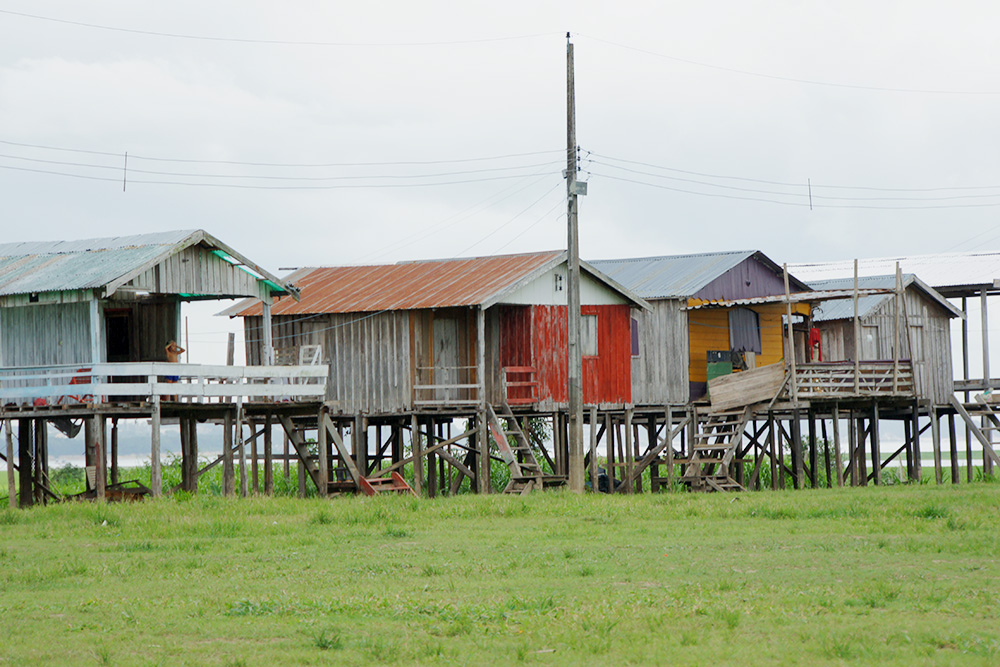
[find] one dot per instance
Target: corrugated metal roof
(404, 286)
(52, 266)
(794, 297)
(948, 273)
(844, 308)
(671, 276)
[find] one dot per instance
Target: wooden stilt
(593, 449)
(629, 454)
(826, 456)
(813, 450)
(11, 483)
(418, 457)
(956, 470)
(775, 451)
(114, 450)
(25, 464)
(101, 458)
(268, 457)
(876, 446)
(668, 429)
(38, 459)
(852, 447)
(609, 438)
(908, 448)
(288, 460)
(432, 472)
(241, 449)
(839, 462)
(228, 471)
(193, 447)
(798, 465)
(936, 444)
(183, 424)
(155, 464)
(254, 460)
(323, 452)
(917, 464)
(359, 442)
(860, 454)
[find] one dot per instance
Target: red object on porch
(815, 344)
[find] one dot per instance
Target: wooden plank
(228, 472)
(665, 443)
(747, 387)
(268, 457)
(836, 445)
(302, 450)
(323, 453)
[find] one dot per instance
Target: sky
(316, 133)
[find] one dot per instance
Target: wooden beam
(155, 465)
(432, 449)
(342, 451)
(323, 452)
(988, 451)
(936, 444)
(11, 484)
(300, 448)
(836, 445)
(268, 457)
(228, 471)
(664, 443)
(876, 446)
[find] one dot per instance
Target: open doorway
(118, 334)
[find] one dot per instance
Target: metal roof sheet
(951, 274)
(671, 276)
(52, 266)
(404, 286)
(844, 308)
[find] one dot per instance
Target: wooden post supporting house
(268, 457)
(836, 445)
(418, 455)
(956, 469)
(936, 444)
(11, 483)
(228, 470)
(916, 442)
(323, 453)
(876, 445)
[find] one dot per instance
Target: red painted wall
(542, 343)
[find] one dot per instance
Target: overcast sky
(895, 103)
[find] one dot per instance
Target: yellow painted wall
(708, 329)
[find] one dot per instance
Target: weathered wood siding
(198, 271)
(368, 354)
(929, 331)
(607, 376)
(42, 335)
(660, 370)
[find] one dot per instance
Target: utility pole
(575, 367)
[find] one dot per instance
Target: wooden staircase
(372, 486)
(713, 449)
(526, 474)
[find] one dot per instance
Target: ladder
(526, 473)
(713, 449)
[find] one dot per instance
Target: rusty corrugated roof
(404, 286)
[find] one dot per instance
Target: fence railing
(520, 385)
(839, 379)
(446, 386)
(141, 381)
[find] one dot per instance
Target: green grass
(897, 575)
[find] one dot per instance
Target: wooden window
(588, 335)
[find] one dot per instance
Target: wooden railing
(520, 385)
(446, 386)
(839, 379)
(141, 381)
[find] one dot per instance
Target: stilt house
(452, 335)
(114, 299)
(676, 349)
(924, 333)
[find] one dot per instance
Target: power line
(275, 42)
(281, 178)
(280, 164)
(241, 186)
(788, 203)
(798, 185)
(811, 82)
(788, 184)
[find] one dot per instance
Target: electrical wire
(278, 42)
(266, 187)
(788, 184)
(279, 178)
(789, 79)
(135, 156)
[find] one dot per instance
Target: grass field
(894, 575)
